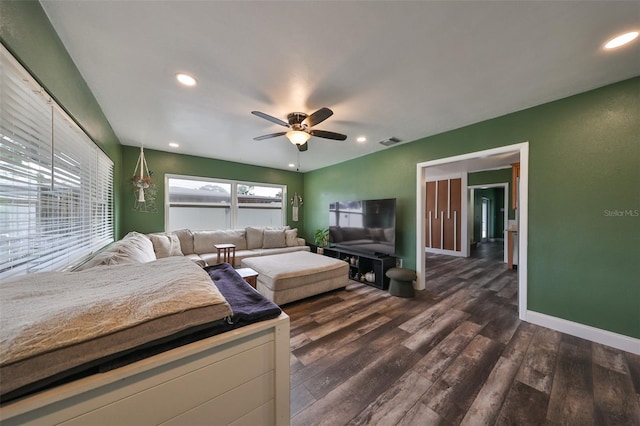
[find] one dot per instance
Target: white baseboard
(608, 338)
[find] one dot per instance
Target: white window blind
(56, 185)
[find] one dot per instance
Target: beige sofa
(249, 242)
(198, 246)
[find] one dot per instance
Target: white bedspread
(47, 311)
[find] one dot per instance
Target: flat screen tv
(363, 226)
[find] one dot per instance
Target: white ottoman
(283, 278)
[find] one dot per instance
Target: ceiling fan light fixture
(298, 137)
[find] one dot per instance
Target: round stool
(401, 284)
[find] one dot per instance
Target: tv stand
(360, 264)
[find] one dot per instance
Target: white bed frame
(240, 377)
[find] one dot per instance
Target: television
(363, 226)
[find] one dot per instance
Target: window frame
(234, 206)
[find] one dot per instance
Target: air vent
(390, 141)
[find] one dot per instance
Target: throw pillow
(137, 246)
(254, 237)
(186, 240)
(291, 237)
(166, 245)
(273, 238)
(109, 256)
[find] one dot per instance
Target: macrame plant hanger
(141, 182)
(296, 200)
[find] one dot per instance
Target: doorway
(496, 221)
(469, 162)
(484, 220)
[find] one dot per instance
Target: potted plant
(321, 238)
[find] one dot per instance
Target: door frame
(505, 221)
(523, 207)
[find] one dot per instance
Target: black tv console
(361, 264)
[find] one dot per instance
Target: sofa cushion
(212, 258)
(133, 248)
(279, 250)
(106, 257)
(254, 237)
(205, 241)
(274, 238)
(137, 246)
(291, 237)
(285, 271)
(186, 240)
(196, 259)
(165, 245)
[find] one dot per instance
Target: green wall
(584, 153)
(161, 163)
(26, 32)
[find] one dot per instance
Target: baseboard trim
(604, 337)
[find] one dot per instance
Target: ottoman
(401, 284)
(286, 277)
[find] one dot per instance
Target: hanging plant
(144, 189)
(143, 182)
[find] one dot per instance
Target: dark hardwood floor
(455, 354)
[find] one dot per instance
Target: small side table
(226, 253)
(249, 275)
(401, 284)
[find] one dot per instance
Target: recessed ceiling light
(621, 40)
(173, 144)
(291, 165)
(361, 139)
(186, 79)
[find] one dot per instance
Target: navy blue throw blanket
(247, 305)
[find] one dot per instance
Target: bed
(203, 358)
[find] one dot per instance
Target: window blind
(56, 185)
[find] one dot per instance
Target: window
(56, 186)
(202, 203)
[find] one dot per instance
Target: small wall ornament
(296, 203)
(144, 189)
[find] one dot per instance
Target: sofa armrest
(301, 241)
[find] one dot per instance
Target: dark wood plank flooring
(455, 354)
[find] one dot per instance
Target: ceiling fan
(300, 125)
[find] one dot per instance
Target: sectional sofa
(199, 246)
(287, 271)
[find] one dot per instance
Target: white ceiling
(386, 68)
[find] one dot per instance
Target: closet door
(443, 214)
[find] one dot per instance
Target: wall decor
(144, 188)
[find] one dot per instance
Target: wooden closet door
(430, 215)
(443, 214)
(445, 231)
(455, 191)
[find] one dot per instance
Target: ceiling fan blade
(272, 135)
(318, 117)
(328, 135)
(303, 147)
(270, 118)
